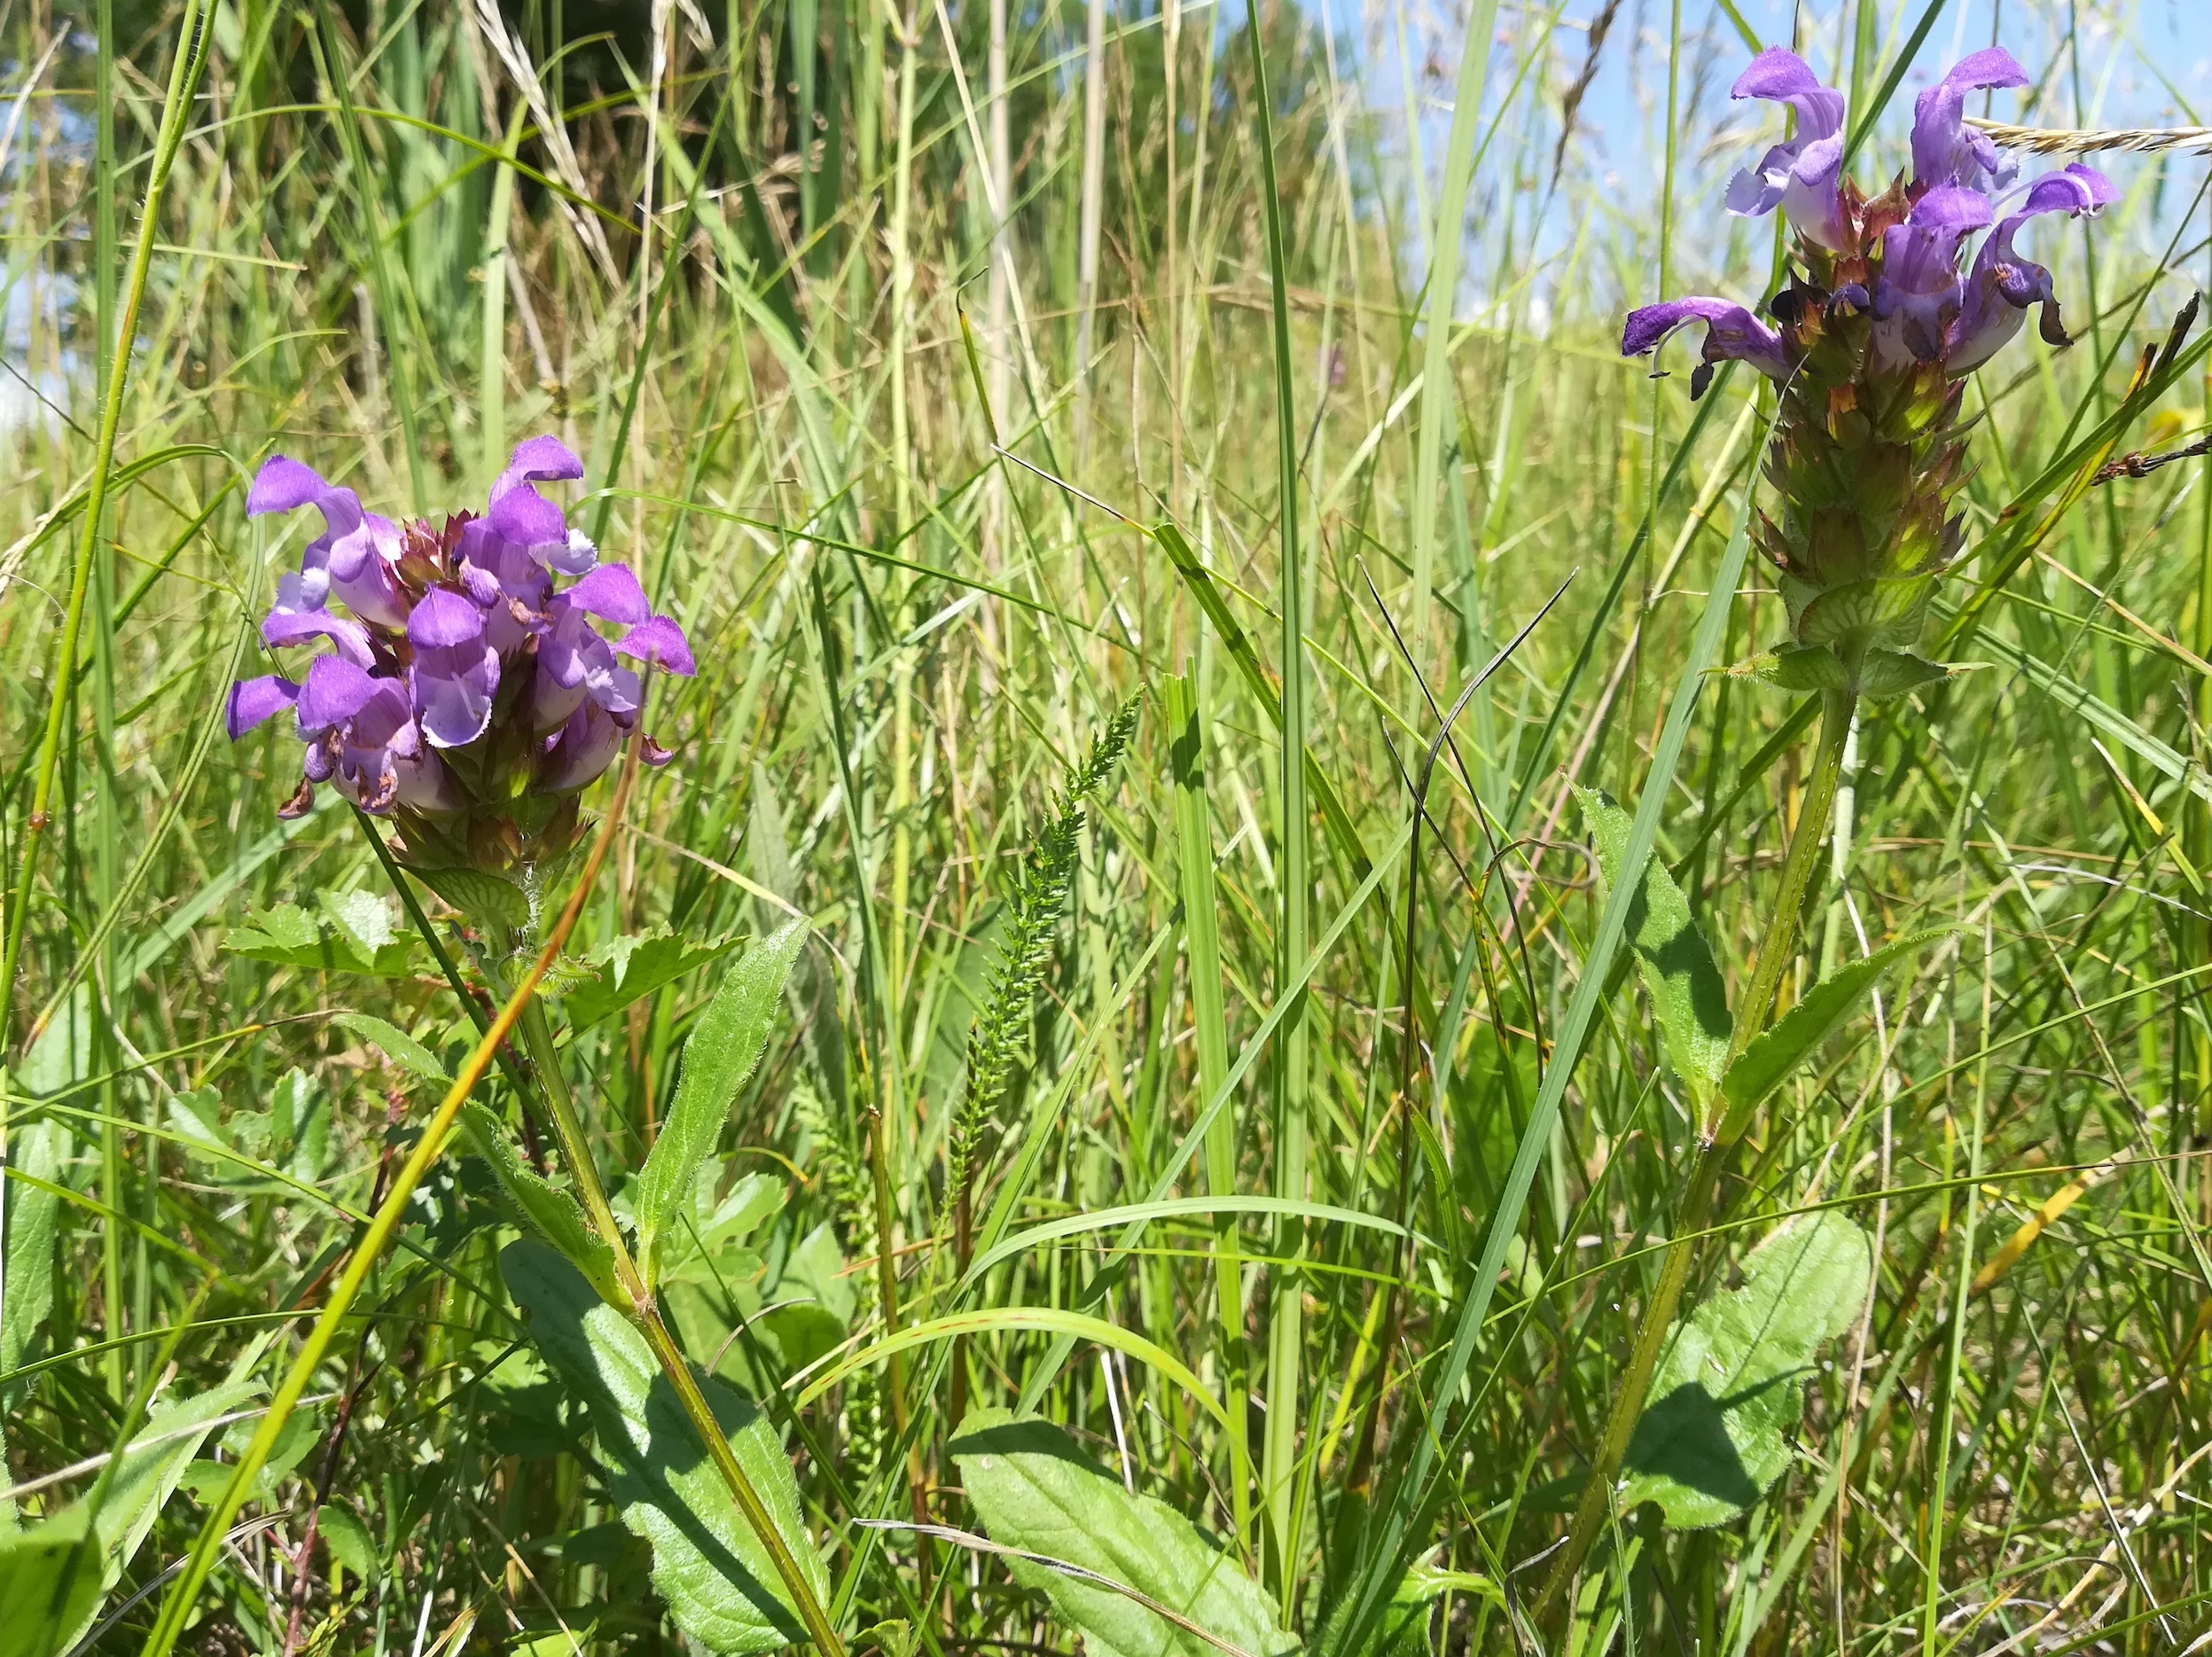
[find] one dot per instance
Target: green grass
(1204, 1174)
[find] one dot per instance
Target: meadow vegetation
(1122, 1092)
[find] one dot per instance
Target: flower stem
(1777, 947)
(644, 1313)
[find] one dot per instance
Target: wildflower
(1874, 333)
(464, 699)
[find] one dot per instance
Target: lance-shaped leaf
(1769, 1061)
(549, 1211)
(1728, 1387)
(1035, 1491)
(1686, 991)
(717, 1577)
(724, 1047)
(401, 1048)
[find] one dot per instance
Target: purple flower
(1919, 291)
(1801, 175)
(1731, 334)
(1899, 255)
(456, 672)
(1945, 150)
(467, 698)
(352, 560)
(2003, 284)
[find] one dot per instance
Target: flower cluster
(1872, 336)
(464, 699)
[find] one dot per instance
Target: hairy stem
(1778, 946)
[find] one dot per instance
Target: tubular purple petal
(291, 619)
(612, 593)
(659, 643)
(1945, 150)
(252, 702)
(336, 689)
(443, 617)
(542, 459)
(2003, 284)
(1732, 332)
(1801, 175)
(283, 484)
(529, 520)
(452, 689)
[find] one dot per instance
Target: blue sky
(2153, 66)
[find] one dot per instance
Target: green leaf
(724, 1047)
(715, 1576)
(401, 1048)
(1727, 1389)
(1034, 1490)
(351, 1546)
(634, 966)
(361, 917)
(1686, 986)
(1401, 1630)
(54, 1575)
(1777, 1051)
(549, 1211)
(1795, 668)
(1886, 673)
(33, 1218)
(487, 899)
(47, 1588)
(288, 936)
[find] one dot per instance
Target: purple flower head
(1896, 258)
(2003, 284)
(1801, 175)
(465, 696)
(1945, 150)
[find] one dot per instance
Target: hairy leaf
(1035, 1491)
(718, 1579)
(288, 936)
(724, 1047)
(635, 966)
(1769, 1061)
(549, 1211)
(401, 1048)
(487, 899)
(1727, 1389)
(1686, 986)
